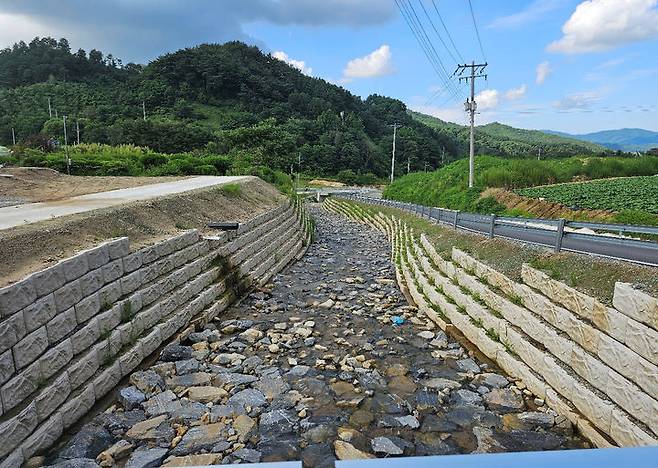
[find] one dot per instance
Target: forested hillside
(229, 101)
(502, 140)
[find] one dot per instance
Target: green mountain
(227, 101)
(624, 139)
(502, 140)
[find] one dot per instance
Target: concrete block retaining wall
(71, 332)
(594, 364)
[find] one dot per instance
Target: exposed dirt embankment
(543, 208)
(37, 184)
(32, 247)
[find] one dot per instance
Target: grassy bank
(448, 186)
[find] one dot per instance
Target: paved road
(34, 212)
(634, 250)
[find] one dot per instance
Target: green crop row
(630, 193)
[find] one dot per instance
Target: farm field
(628, 193)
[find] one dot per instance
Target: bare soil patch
(37, 184)
(544, 208)
(32, 247)
(325, 183)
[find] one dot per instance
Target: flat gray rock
(146, 458)
(249, 397)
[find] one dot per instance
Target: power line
(477, 32)
(430, 47)
(445, 28)
(404, 9)
(437, 32)
(425, 46)
(428, 40)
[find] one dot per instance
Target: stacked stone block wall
(591, 363)
(71, 332)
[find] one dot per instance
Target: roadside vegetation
(129, 160)
(448, 186)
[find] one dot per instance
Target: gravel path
(314, 368)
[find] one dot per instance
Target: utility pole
(471, 107)
(395, 132)
(299, 167)
(539, 155)
(144, 109)
(77, 131)
(13, 135)
(50, 109)
(66, 149)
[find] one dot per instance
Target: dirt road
(18, 215)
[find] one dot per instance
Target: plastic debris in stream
(397, 320)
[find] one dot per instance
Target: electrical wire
(437, 32)
(426, 46)
(445, 28)
(432, 50)
(477, 32)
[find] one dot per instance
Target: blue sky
(568, 65)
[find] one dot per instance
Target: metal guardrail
(553, 233)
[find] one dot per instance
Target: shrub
(488, 205)
(347, 176)
(366, 179)
(231, 190)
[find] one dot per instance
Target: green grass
(127, 313)
(448, 186)
(639, 194)
(231, 190)
(123, 160)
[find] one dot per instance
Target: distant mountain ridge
(624, 139)
(502, 140)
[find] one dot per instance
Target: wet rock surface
(313, 368)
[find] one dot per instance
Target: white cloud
(543, 70)
(14, 28)
(487, 99)
(611, 63)
(598, 25)
(533, 12)
(516, 93)
(454, 114)
(581, 100)
(298, 64)
(376, 63)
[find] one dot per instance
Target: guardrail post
(559, 234)
(454, 224)
(491, 227)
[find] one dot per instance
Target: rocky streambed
(313, 367)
